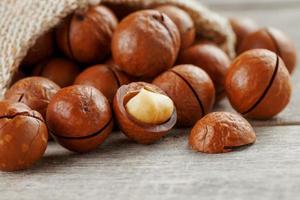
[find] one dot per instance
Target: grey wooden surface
(121, 169)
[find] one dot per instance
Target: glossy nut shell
(258, 84)
(139, 132)
(221, 132)
(192, 91)
(86, 35)
(242, 27)
(105, 78)
(211, 59)
(23, 136)
(145, 43)
(61, 71)
(35, 92)
(79, 118)
(184, 23)
(273, 40)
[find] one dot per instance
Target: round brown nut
(86, 35)
(79, 118)
(144, 112)
(59, 70)
(192, 91)
(273, 40)
(184, 23)
(211, 59)
(35, 92)
(242, 27)
(42, 49)
(145, 43)
(221, 132)
(103, 77)
(23, 136)
(258, 84)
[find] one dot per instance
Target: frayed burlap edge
(22, 22)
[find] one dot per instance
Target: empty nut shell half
(192, 91)
(221, 132)
(258, 84)
(79, 118)
(273, 40)
(23, 136)
(138, 131)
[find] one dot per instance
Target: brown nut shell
(79, 118)
(221, 132)
(35, 92)
(139, 132)
(192, 91)
(273, 40)
(41, 50)
(23, 136)
(211, 59)
(86, 35)
(145, 43)
(258, 85)
(61, 71)
(103, 77)
(184, 23)
(242, 27)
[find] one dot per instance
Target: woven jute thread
(23, 21)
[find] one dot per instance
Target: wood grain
(121, 169)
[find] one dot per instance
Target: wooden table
(121, 169)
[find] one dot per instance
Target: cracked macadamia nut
(41, 50)
(35, 92)
(191, 90)
(59, 70)
(105, 78)
(273, 40)
(258, 84)
(242, 27)
(145, 43)
(211, 59)
(23, 136)
(86, 35)
(144, 112)
(184, 23)
(221, 132)
(79, 118)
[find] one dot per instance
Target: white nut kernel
(150, 107)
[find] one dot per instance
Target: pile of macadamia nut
(144, 73)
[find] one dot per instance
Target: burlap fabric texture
(23, 21)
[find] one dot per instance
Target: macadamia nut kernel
(150, 107)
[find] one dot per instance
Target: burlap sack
(23, 21)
